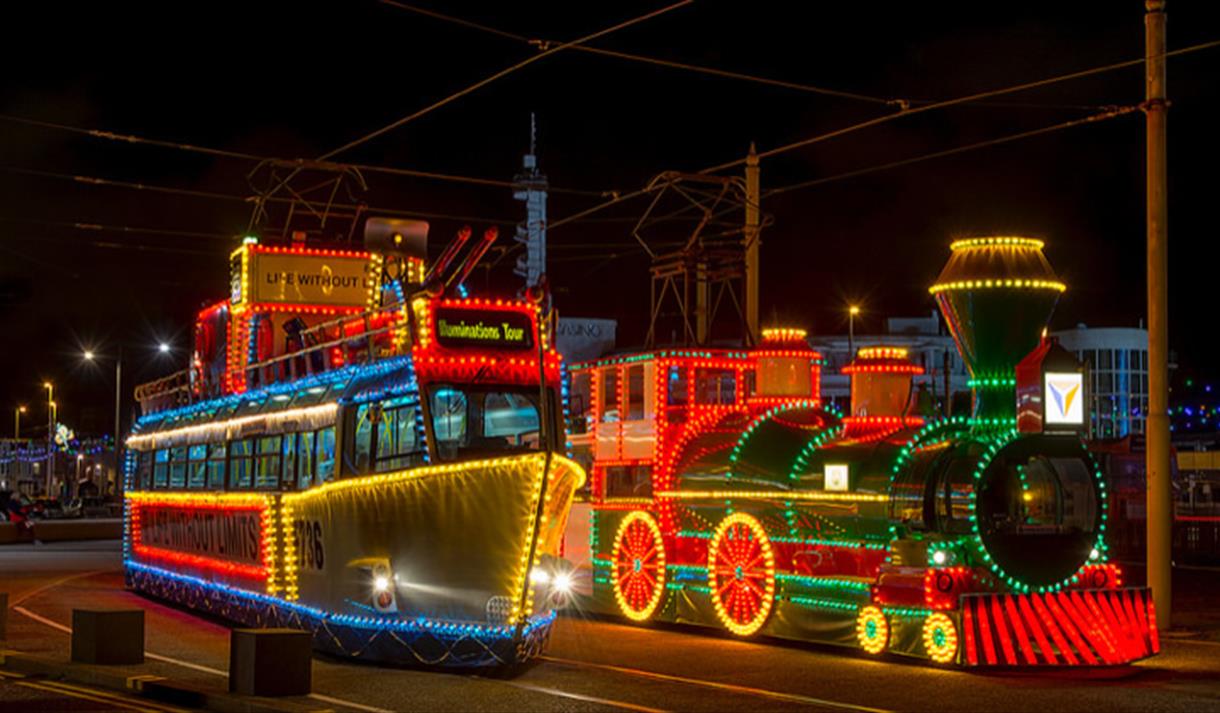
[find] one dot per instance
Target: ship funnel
(996, 294)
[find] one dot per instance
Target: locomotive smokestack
(996, 294)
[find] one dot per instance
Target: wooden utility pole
(1159, 506)
(753, 218)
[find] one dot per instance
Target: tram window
(216, 466)
(177, 467)
(635, 392)
(628, 481)
(362, 434)
(144, 471)
(267, 471)
(397, 442)
(198, 475)
(239, 464)
(678, 391)
(161, 469)
(305, 459)
(482, 421)
(449, 415)
(715, 386)
(607, 396)
(326, 454)
(290, 462)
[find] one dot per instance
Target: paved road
(603, 665)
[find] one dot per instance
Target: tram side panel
(449, 543)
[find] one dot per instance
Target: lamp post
(50, 434)
(17, 422)
(118, 395)
(852, 311)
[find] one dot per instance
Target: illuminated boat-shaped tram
(725, 493)
(359, 453)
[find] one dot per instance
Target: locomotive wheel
(741, 574)
(940, 638)
(872, 629)
(639, 566)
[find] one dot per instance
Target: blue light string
(419, 624)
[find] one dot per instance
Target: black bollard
(270, 662)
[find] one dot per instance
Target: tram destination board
(488, 329)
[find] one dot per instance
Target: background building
(1118, 361)
(928, 344)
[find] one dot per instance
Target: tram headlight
(381, 584)
(562, 583)
(539, 576)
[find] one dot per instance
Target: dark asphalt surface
(601, 665)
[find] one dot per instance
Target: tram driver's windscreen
(477, 422)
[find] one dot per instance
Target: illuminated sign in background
(461, 328)
(309, 279)
(1064, 399)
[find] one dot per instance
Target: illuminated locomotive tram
(726, 494)
(357, 453)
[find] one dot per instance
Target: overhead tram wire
(954, 102)
(727, 74)
(620, 198)
(502, 73)
(901, 103)
(254, 158)
(113, 183)
(1092, 119)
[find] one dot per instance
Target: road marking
(43, 620)
(198, 667)
(349, 704)
(1188, 641)
(142, 704)
(578, 696)
(62, 580)
(732, 687)
(87, 694)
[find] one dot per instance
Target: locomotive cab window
(580, 402)
(716, 386)
(475, 422)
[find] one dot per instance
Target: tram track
(780, 696)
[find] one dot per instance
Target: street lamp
(118, 394)
(17, 422)
(852, 311)
(50, 433)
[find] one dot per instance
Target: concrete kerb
(156, 688)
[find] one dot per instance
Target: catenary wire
(648, 60)
(622, 197)
(959, 100)
(253, 158)
(113, 183)
(502, 73)
(1092, 119)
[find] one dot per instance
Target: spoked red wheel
(741, 573)
(639, 566)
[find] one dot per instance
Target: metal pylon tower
(530, 186)
(705, 283)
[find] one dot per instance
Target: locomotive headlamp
(381, 584)
(939, 557)
(1094, 554)
(563, 583)
(539, 576)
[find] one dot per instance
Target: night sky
(296, 80)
